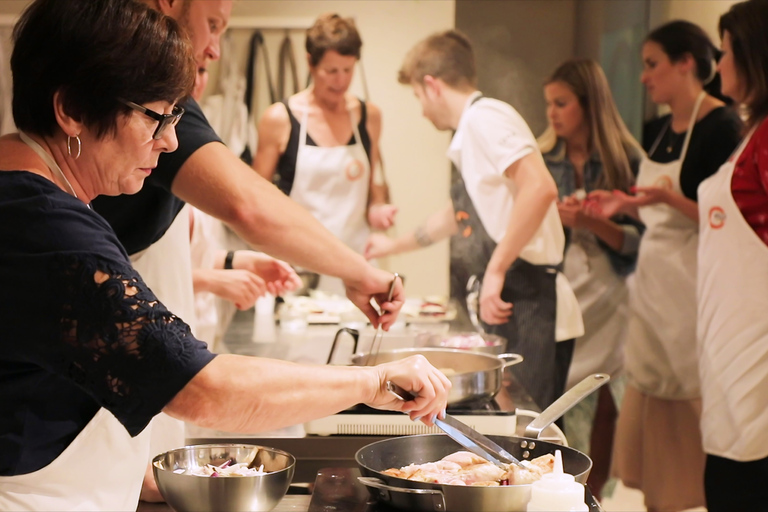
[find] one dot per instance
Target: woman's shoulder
(722, 117)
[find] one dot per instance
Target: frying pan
(404, 494)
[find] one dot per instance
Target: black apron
(530, 330)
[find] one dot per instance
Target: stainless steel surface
(563, 404)
(474, 376)
(463, 434)
(191, 493)
(376, 344)
(402, 451)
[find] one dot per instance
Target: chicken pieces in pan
(466, 468)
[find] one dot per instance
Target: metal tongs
(376, 343)
(465, 435)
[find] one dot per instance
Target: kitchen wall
(518, 44)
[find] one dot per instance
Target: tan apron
(102, 469)
(332, 183)
(660, 356)
(166, 267)
(733, 325)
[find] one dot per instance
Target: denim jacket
(564, 174)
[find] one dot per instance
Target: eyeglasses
(164, 120)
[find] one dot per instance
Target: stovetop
(338, 490)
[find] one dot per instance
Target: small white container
(557, 492)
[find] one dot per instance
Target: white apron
(166, 267)
(733, 324)
(333, 184)
(603, 299)
(660, 356)
(102, 469)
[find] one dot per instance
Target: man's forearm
(261, 214)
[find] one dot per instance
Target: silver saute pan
(474, 376)
(404, 494)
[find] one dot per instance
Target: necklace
(672, 137)
(49, 161)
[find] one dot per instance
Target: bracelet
(228, 260)
(421, 236)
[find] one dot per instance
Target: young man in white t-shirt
(502, 212)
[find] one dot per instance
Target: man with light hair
(502, 212)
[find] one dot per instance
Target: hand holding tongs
(376, 343)
(465, 435)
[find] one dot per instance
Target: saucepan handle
(383, 490)
(352, 332)
(510, 359)
(563, 404)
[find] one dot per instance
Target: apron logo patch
(663, 182)
(716, 217)
(354, 170)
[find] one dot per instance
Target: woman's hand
(241, 287)
(417, 376)
(278, 275)
(375, 285)
(493, 310)
(382, 216)
(607, 203)
(571, 212)
(378, 245)
(652, 195)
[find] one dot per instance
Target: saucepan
(474, 376)
(398, 452)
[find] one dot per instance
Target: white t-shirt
(490, 137)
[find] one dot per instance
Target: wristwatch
(228, 260)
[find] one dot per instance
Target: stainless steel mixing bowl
(186, 492)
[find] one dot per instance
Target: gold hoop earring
(69, 146)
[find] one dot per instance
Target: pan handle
(510, 359)
(563, 404)
(383, 491)
(352, 332)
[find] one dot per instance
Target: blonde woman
(587, 147)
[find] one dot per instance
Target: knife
(465, 435)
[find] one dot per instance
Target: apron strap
(691, 124)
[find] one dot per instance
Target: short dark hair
(747, 24)
(332, 32)
(93, 52)
(445, 55)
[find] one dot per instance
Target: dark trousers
(733, 486)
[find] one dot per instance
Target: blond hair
(445, 55)
(607, 132)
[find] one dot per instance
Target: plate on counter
(428, 310)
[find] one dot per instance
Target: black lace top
(79, 329)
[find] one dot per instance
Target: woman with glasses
(88, 354)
